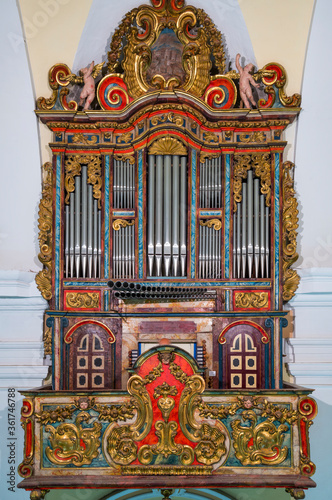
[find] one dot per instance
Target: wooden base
(214, 481)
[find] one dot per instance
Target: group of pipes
(123, 184)
(167, 215)
(209, 258)
(83, 231)
(124, 252)
(251, 246)
(130, 290)
(210, 184)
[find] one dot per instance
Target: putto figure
(246, 80)
(88, 92)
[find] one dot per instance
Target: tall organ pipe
(84, 209)
(175, 214)
(256, 226)
(183, 214)
(159, 214)
(90, 229)
(77, 224)
(250, 222)
(244, 229)
(167, 214)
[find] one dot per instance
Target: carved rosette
(44, 277)
(290, 224)
(261, 165)
(73, 167)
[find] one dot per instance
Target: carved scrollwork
(47, 339)
(258, 443)
(251, 300)
(82, 300)
(73, 167)
(118, 223)
(290, 224)
(261, 164)
(208, 156)
(44, 277)
(121, 157)
(25, 468)
(215, 223)
(58, 414)
(257, 136)
(82, 139)
(73, 443)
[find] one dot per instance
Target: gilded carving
(153, 374)
(116, 413)
(252, 300)
(208, 156)
(126, 157)
(82, 300)
(45, 222)
(73, 167)
(258, 443)
(160, 470)
(82, 139)
(172, 117)
(261, 164)
(168, 146)
(73, 443)
(47, 339)
(58, 414)
(215, 223)
(210, 137)
(25, 468)
(289, 224)
(117, 223)
(258, 136)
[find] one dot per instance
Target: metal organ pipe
(251, 246)
(167, 213)
(82, 231)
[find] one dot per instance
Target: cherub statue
(87, 76)
(246, 80)
(88, 92)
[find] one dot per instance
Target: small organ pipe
(262, 235)
(244, 229)
(67, 240)
(84, 210)
(250, 212)
(151, 213)
(77, 224)
(238, 234)
(183, 214)
(256, 226)
(175, 214)
(159, 219)
(72, 233)
(90, 229)
(95, 237)
(267, 246)
(99, 244)
(167, 214)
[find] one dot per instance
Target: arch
(167, 349)
(68, 337)
(265, 336)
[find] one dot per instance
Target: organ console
(168, 219)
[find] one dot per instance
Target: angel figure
(246, 80)
(87, 77)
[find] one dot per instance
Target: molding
(315, 289)
(18, 292)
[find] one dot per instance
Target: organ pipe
(251, 245)
(167, 214)
(82, 231)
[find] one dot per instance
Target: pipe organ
(168, 218)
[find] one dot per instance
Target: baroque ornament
(258, 443)
(168, 146)
(44, 277)
(73, 443)
(73, 166)
(251, 300)
(261, 165)
(290, 224)
(215, 223)
(82, 300)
